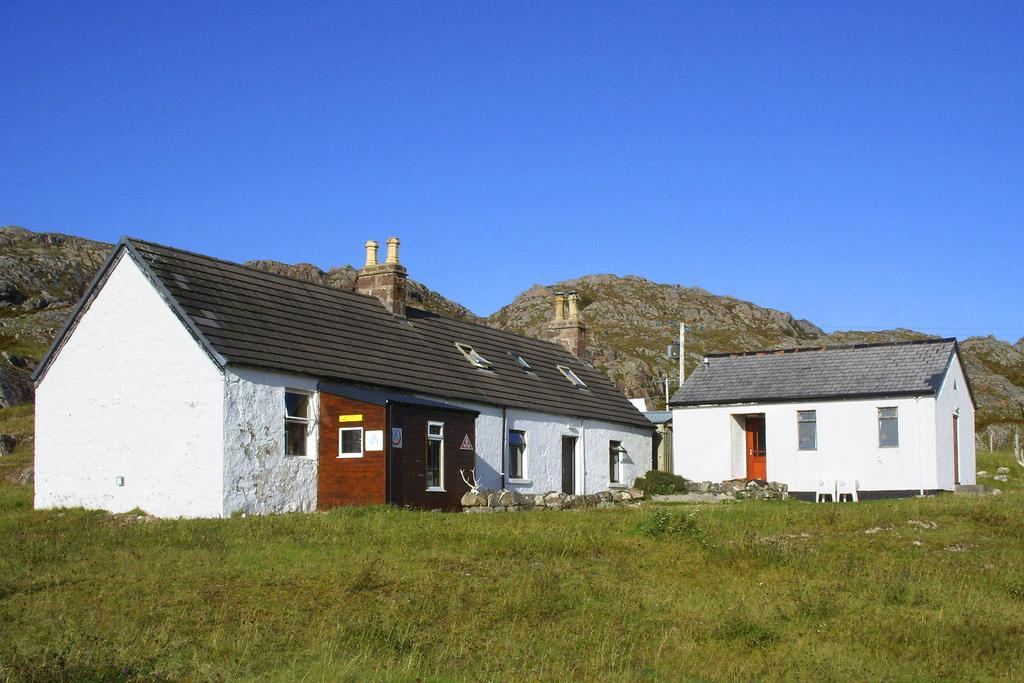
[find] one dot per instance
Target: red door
(757, 457)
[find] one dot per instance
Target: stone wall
(756, 489)
(513, 501)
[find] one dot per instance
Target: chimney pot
(559, 306)
(371, 252)
(392, 251)
(574, 312)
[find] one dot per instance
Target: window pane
(515, 462)
(808, 436)
(516, 438)
(351, 441)
(887, 412)
(435, 430)
(296, 405)
(888, 432)
(613, 461)
(295, 438)
(433, 464)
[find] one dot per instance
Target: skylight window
(474, 358)
(572, 377)
(521, 362)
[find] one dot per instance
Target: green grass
(731, 591)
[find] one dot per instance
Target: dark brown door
(757, 456)
(568, 464)
(956, 449)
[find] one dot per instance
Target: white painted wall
(954, 398)
(258, 477)
(130, 394)
(709, 443)
(544, 434)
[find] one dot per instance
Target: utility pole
(682, 351)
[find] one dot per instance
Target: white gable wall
(954, 398)
(258, 477)
(709, 444)
(131, 394)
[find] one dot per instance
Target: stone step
(970, 489)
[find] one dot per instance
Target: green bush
(655, 482)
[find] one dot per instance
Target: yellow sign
(350, 418)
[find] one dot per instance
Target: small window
(615, 453)
(572, 377)
(435, 456)
(516, 454)
(807, 428)
(888, 428)
(297, 421)
(521, 362)
(350, 442)
(474, 358)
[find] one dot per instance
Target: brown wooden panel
(409, 463)
(350, 481)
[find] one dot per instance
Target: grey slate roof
(250, 317)
(860, 371)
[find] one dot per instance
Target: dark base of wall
(873, 495)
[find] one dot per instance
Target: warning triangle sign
(467, 445)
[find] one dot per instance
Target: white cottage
(185, 385)
(897, 419)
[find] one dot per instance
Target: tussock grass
(731, 591)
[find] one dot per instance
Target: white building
(189, 386)
(896, 418)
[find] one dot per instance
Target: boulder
(507, 498)
(25, 476)
(470, 499)
(15, 388)
(7, 444)
(635, 494)
(1002, 470)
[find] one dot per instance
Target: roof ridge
(280, 276)
(836, 347)
(489, 328)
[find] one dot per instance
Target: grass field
(745, 590)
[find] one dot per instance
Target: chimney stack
(569, 332)
(386, 281)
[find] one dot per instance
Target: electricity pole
(682, 351)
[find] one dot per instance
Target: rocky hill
(630, 321)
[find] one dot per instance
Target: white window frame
(474, 358)
(572, 377)
(896, 418)
(309, 421)
(525, 467)
(439, 438)
(362, 442)
(799, 421)
(619, 452)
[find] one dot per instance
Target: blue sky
(859, 164)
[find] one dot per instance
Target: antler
(474, 486)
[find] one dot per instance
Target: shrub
(655, 482)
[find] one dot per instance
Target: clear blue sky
(860, 164)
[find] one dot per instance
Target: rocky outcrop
(630, 320)
(15, 388)
(513, 501)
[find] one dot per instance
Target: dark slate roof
(250, 317)
(860, 371)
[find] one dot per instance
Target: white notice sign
(375, 440)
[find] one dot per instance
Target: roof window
(474, 358)
(521, 362)
(572, 377)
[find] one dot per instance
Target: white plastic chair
(846, 487)
(826, 487)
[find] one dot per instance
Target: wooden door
(569, 464)
(956, 449)
(757, 456)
